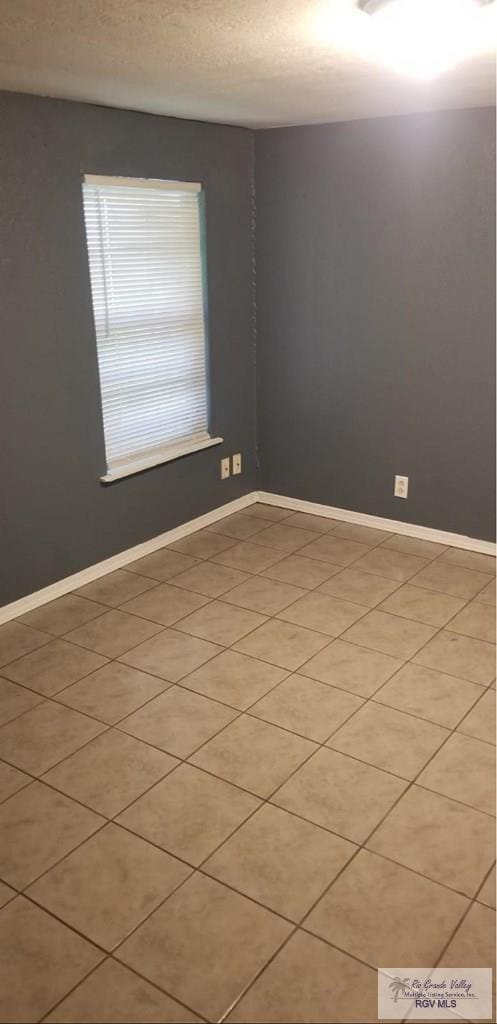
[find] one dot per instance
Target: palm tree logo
(398, 986)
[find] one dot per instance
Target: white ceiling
(256, 63)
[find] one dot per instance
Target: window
(145, 253)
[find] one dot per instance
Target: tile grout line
(300, 926)
(244, 711)
(199, 869)
(54, 697)
(247, 710)
(313, 589)
(269, 800)
(459, 925)
(109, 957)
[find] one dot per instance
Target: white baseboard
(94, 572)
(457, 540)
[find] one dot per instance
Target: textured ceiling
(249, 62)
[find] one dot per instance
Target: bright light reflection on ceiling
(417, 38)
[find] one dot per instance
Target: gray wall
(375, 335)
(375, 347)
(55, 516)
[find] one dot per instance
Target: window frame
(138, 462)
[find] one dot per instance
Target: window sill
(159, 458)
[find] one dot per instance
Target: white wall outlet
(225, 468)
(401, 486)
(236, 463)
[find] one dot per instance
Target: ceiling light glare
(417, 38)
(423, 38)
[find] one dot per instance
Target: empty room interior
(247, 511)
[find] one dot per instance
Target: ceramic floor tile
(389, 739)
(487, 595)
(474, 942)
(122, 877)
(432, 695)
(336, 550)
(63, 614)
(189, 813)
(162, 564)
(14, 700)
(116, 587)
(280, 861)
(178, 721)
(423, 605)
(164, 604)
(17, 639)
(110, 772)
(340, 793)
(53, 667)
(445, 840)
(234, 679)
(476, 620)
(282, 644)
(285, 538)
(248, 557)
(239, 526)
(310, 981)
(264, 595)
(351, 668)
(116, 995)
(459, 656)
(323, 613)
(487, 892)
(362, 587)
(221, 623)
(254, 755)
(271, 512)
(171, 655)
(202, 544)
(114, 633)
(469, 560)
(307, 521)
(302, 572)
(210, 579)
(43, 736)
(206, 942)
(41, 960)
(11, 780)
(366, 910)
(464, 770)
(39, 826)
(307, 707)
(205, 945)
(364, 534)
(389, 634)
(480, 723)
(451, 579)
(112, 692)
(413, 546)
(395, 565)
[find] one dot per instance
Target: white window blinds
(145, 255)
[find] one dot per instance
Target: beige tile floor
(243, 772)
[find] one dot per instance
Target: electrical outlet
(236, 463)
(401, 486)
(225, 468)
